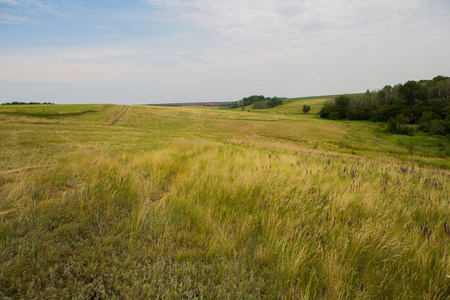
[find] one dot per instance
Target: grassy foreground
(161, 202)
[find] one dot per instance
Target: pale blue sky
(155, 51)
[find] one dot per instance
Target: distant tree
(425, 103)
(234, 104)
(252, 99)
(439, 78)
(385, 95)
(259, 102)
(334, 112)
(342, 100)
(426, 120)
(306, 108)
(25, 103)
(412, 92)
(275, 101)
(260, 105)
(398, 124)
(438, 106)
(335, 115)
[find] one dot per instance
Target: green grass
(182, 202)
(50, 110)
(295, 105)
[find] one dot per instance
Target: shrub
(398, 125)
(306, 108)
(343, 100)
(334, 112)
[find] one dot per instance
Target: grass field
(144, 202)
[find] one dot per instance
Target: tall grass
(168, 203)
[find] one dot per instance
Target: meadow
(147, 202)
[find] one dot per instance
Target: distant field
(295, 105)
(213, 104)
(50, 110)
(148, 202)
(64, 113)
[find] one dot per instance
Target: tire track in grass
(19, 170)
(118, 116)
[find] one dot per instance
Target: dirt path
(118, 116)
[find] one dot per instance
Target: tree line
(24, 103)
(424, 103)
(258, 101)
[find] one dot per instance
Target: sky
(171, 51)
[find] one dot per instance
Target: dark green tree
(342, 100)
(398, 124)
(275, 101)
(412, 92)
(306, 108)
(425, 103)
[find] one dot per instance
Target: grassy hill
(295, 105)
(183, 202)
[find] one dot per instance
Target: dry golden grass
(190, 203)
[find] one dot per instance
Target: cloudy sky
(160, 51)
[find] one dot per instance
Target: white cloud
(13, 19)
(88, 54)
(52, 72)
(192, 50)
(110, 32)
(107, 29)
(10, 2)
(26, 11)
(328, 37)
(265, 23)
(61, 65)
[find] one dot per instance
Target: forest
(415, 105)
(25, 103)
(259, 102)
